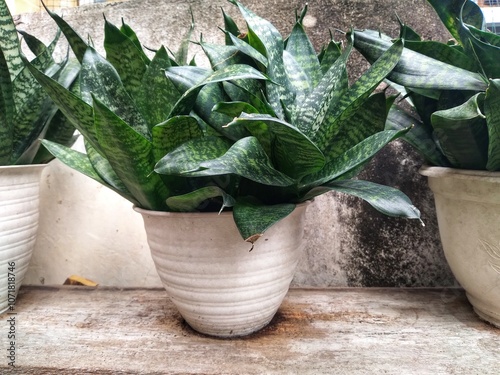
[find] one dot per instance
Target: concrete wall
(87, 230)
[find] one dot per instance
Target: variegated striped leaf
(105, 171)
(415, 70)
(352, 159)
(187, 157)
(126, 57)
(99, 79)
(130, 155)
(492, 112)
(76, 42)
(354, 98)
(173, 133)
(75, 109)
(9, 42)
(81, 163)
(253, 219)
(279, 90)
(462, 134)
(7, 111)
(157, 95)
(292, 151)
(385, 199)
(191, 201)
(311, 112)
(301, 48)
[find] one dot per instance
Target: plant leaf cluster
(453, 88)
(270, 125)
(26, 112)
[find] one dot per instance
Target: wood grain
(82, 330)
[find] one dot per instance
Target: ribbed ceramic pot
(468, 212)
(220, 284)
(19, 207)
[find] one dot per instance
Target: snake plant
(26, 111)
(271, 124)
(453, 87)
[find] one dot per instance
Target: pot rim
(23, 166)
(437, 172)
(144, 211)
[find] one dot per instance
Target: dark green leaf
(9, 42)
(76, 110)
(157, 94)
(127, 59)
(463, 134)
(420, 136)
(384, 199)
(187, 157)
(100, 79)
(130, 155)
(416, 70)
(492, 113)
(173, 133)
(75, 41)
(301, 48)
(352, 159)
(192, 200)
(293, 152)
(253, 219)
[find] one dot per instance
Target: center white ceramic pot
(221, 285)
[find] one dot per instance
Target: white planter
(220, 285)
(19, 205)
(468, 212)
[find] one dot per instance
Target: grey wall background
(348, 243)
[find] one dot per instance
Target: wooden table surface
(83, 330)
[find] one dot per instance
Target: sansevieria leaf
(463, 134)
(294, 153)
(191, 201)
(74, 108)
(253, 219)
(128, 60)
(492, 113)
(417, 70)
(130, 155)
(99, 79)
(384, 199)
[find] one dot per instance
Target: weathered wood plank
(81, 330)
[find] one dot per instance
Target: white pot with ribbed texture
(468, 212)
(19, 208)
(220, 285)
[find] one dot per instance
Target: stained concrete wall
(347, 242)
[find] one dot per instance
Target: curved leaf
(463, 134)
(492, 113)
(385, 199)
(253, 219)
(191, 201)
(187, 157)
(131, 157)
(293, 152)
(99, 79)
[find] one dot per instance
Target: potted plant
(26, 115)
(222, 161)
(454, 90)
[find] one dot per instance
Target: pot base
(484, 311)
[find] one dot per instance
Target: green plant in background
(26, 111)
(454, 88)
(270, 125)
